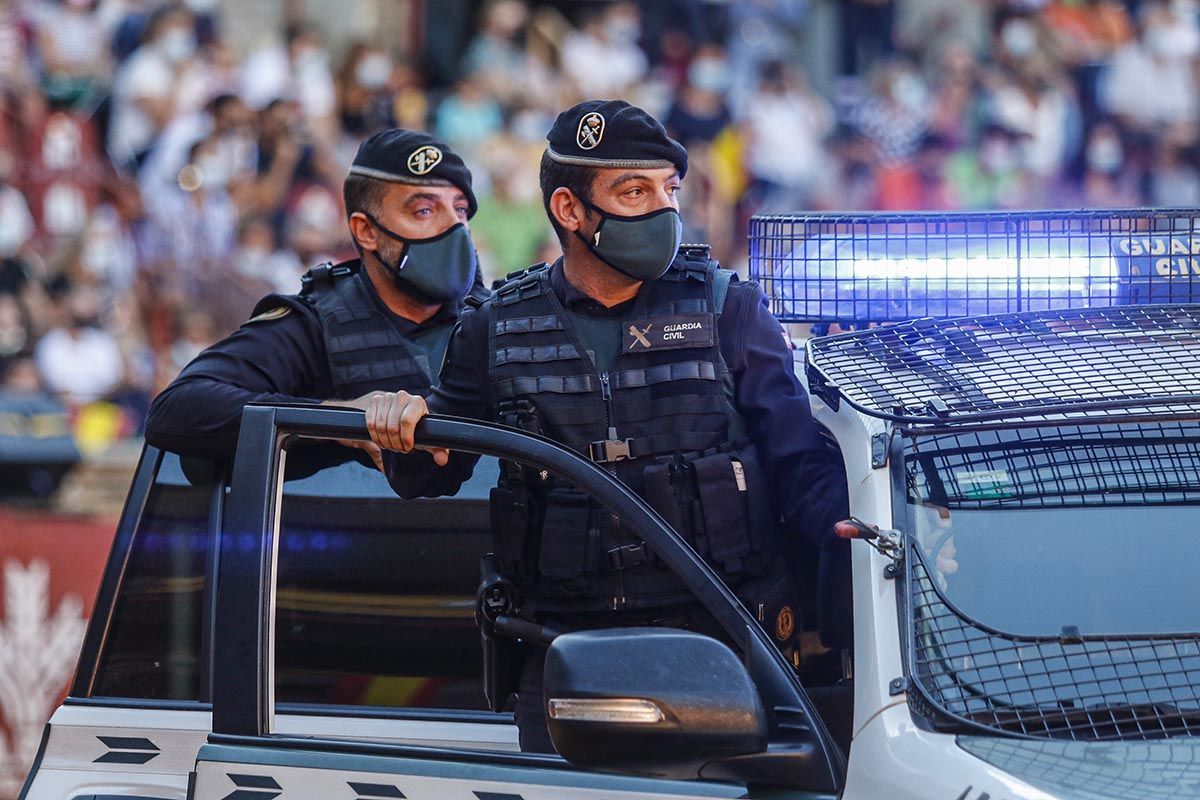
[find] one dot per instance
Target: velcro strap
(381, 370)
(536, 355)
(548, 322)
(683, 371)
(365, 340)
(545, 384)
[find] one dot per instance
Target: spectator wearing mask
(991, 175)
(71, 46)
(298, 71)
(79, 360)
(1107, 181)
(894, 117)
(1150, 83)
(469, 117)
(784, 126)
(289, 158)
(226, 120)
(146, 89)
(1040, 103)
(699, 113)
(497, 53)
(193, 225)
(603, 58)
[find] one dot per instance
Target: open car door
(779, 741)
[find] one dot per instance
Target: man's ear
(363, 231)
(567, 209)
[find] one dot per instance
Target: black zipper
(606, 395)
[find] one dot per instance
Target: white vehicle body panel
(892, 758)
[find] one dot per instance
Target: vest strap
(606, 451)
(682, 371)
(539, 324)
(545, 384)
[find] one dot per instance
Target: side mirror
(650, 701)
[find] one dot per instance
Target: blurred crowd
(154, 182)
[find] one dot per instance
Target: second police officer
(652, 362)
(379, 322)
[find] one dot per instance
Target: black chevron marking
(254, 787)
(254, 782)
(119, 757)
(128, 743)
(127, 750)
(497, 796)
(372, 790)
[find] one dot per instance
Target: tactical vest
(365, 351)
(661, 420)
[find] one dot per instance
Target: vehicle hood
(1096, 770)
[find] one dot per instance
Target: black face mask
(641, 246)
(439, 268)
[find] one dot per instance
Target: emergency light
(876, 267)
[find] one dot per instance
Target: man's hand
(370, 448)
(392, 419)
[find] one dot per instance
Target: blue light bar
(885, 268)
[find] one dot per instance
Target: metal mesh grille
(1111, 688)
(888, 267)
(1146, 771)
(1071, 686)
(1013, 365)
(1071, 466)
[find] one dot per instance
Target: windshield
(1041, 531)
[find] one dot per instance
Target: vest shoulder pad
(324, 275)
(518, 279)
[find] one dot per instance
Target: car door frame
(243, 670)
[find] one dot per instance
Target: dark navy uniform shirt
(276, 357)
(810, 490)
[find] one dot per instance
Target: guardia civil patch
(668, 333)
(590, 131)
(274, 313)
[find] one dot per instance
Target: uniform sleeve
(807, 485)
(462, 391)
(268, 361)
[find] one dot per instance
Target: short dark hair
(364, 194)
(555, 175)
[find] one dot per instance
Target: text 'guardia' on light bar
(627, 710)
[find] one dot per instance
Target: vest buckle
(608, 450)
(626, 556)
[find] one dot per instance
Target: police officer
(379, 322)
(654, 363)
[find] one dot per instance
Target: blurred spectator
(1175, 174)
(699, 112)
(16, 223)
(298, 70)
(20, 376)
(990, 176)
(260, 265)
(510, 227)
(15, 34)
(226, 120)
(147, 87)
(894, 118)
(193, 223)
(1151, 80)
(365, 98)
(196, 333)
(497, 53)
(468, 117)
(289, 159)
(1038, 103)
(1107, 180)
(603, 59)
(866, 28)
(784, 124)
(73, 55)
(78, 360)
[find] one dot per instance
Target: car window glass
(153, 646)
(375, 594)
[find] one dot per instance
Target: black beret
(415, 158)
(612, 133)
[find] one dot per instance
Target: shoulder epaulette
(521, 282)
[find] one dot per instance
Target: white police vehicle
(1027, 485)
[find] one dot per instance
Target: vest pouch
(756, 500)
(510, 530)
(721, 486)
(565, 557)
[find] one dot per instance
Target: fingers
(375, 453)
(441, 456)
(392, 420)
(409, 416)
